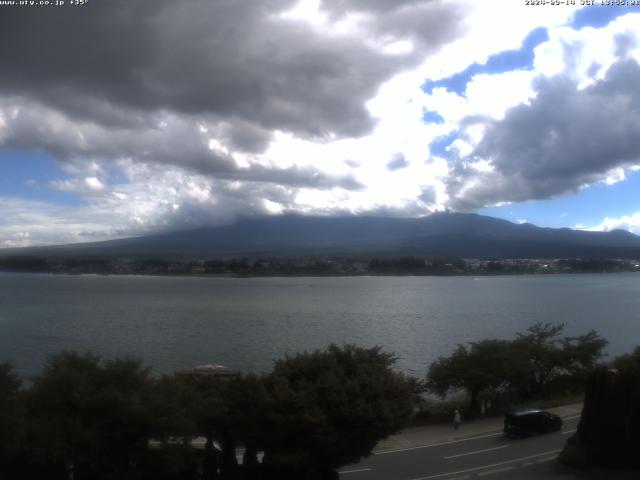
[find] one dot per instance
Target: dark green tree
(582, 353)
(211, 411)
(232, 413)
(330, 408)
(12, 419)
(607, 434)
(90, 416)
(628, 361)
(171, 405)
(473, 368)
(540, 355)
(247, 402)
(522, 367)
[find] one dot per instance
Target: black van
(523, 423)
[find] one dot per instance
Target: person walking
(457, 420)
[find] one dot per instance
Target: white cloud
(625, 222)
(492, 27)
(614, 176)
(588, 53)
(94, 183)
(492, 95)
(28, 222)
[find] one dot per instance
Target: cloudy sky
(123, 117)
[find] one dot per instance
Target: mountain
(450, 234)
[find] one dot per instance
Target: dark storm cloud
(246, 137)
(246, 200)
(565, 138)
(308, 177)
(226, 58)
(167, 139)
(153, 81)
(397, 162)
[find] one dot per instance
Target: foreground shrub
(607, 434)
(330, 408)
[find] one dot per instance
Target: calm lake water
(179, 322)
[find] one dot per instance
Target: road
(489, 455)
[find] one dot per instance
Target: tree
(211, 413)
(90, 415)
(537, 355)
(475, 368)
(582, 353)
(523, 366)
(171, 406)
(541, 355)
(12, 421)
(171, 403)
(330, 408)
(248, 402)
(607, 434)
(628, 361)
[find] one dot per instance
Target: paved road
(488, 454)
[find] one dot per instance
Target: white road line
(418, 447)
(548, 459)
(571, 417)
(440, 475)
(438, 444)
(495, 470)
(477, 451)
(566, 432)
(355, 471)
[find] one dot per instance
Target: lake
(246, 323)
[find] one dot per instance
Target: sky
(121, 118)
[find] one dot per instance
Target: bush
(607, 434)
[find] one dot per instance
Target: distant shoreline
(314, 266)
(338, 275)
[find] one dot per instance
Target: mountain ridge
(466, 235)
